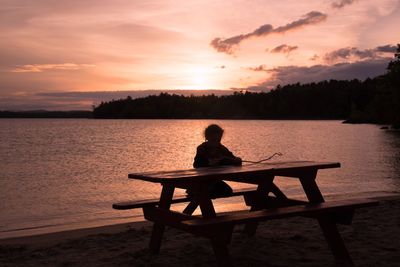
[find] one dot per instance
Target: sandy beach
(372, 240)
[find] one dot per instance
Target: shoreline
(62, 232)
(48, 239)
(371, 241)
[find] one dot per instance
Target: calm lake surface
(58, 174)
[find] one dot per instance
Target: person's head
(213, 133)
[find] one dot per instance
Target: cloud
(355, 54)
(259, 68)
(348, 53)
(312, 17)
(340, 4)
(62, 79)
(47, 67)
(343, 71)
(285, 49)
(314, 57)
(387, 49)
(230, 45)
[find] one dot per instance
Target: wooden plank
(222, 172)
(271, 202)
(179, 199)
(174, 219)
(167, 217)
(313, 209)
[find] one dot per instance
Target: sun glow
(200, 77)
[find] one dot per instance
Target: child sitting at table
(213, 153)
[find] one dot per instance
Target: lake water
(58, 174)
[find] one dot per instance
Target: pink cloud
(47, 67)
(230, 45)
(354, 54)
(285, 49)
(262, 67)
(344, 71)
(341, 3)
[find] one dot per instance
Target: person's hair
(213, 129)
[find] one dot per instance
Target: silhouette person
(213, 153)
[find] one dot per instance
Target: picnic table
(267, 201)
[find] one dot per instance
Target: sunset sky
(62, 55)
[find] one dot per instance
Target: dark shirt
(208, 155)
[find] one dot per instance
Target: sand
(372, 240)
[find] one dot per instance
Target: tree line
(323, 100)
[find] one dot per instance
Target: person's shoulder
(225, 150)
(223, 147)
(202, 146)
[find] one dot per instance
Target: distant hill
(323, 100)
(46, 114)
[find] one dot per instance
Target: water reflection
(392, 141)
(66, 171)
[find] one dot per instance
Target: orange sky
(50, 47)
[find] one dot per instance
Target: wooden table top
(221, 172)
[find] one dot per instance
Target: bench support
(158, 228)
(335, 242)
(328, 225)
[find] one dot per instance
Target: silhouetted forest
(324, 100)
(374, 100)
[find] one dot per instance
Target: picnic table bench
(263, 206)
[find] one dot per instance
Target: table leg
(335, 242)
(310, 187)
(263, 188)
(221, 236)
(158, 228)
(191, 207)
(277, 192)
(328, 225)
(204, 201)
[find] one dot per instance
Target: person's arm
(236, 161)
(230, 159)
